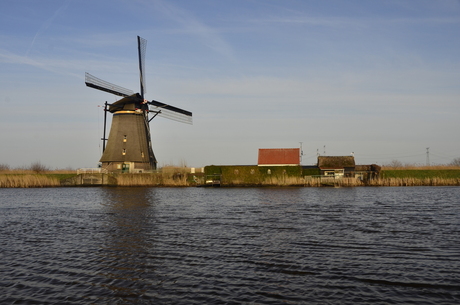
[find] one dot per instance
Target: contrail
(47, 23)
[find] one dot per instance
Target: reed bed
(28, 180)
(175, 178)
(283, 181)
(420, 167)
(415, 182)
(157, 179)
(352, 182)
(342, 182)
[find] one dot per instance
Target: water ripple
(230, 246)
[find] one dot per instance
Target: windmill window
(124, 151)
(124, 138)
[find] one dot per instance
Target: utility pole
(427, 156)
(301, 152)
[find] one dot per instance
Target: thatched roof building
(336, 162)
(337, 166)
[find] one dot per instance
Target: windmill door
(125, 168)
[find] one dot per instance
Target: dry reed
(157, 179)
(23, 171)
(415, 182)
(27, 180)
(283, 181)
(420, 167)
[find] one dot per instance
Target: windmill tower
(129, 147)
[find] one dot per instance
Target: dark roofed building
(337, 165)
(367, 172)
(279, 156)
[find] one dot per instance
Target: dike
(235, 176)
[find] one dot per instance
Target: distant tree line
(36, 167)
(398, 164)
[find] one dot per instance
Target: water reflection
(127, 241)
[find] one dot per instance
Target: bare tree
(395, 164)
(4, 167)
(455, 162)
(38, 167)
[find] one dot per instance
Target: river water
(230, 245)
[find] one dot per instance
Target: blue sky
(377, 78)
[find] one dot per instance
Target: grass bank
(151, 180)
(242, 176)
(29, 180)
(421, 173)
(309, 177)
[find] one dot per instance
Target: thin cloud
(48, 23)
(340, 22)
(209, 36)
(55, 66)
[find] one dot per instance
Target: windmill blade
(97, 83)
(171, 112)
(141, 47)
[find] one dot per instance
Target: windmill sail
(141, 47)
(97, 83)
(171, 112)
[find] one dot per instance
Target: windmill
(129, 147)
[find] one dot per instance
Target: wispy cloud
(58, 66)
(191, 24)
(340, 22)
(47, 24)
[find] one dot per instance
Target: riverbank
(232, 177)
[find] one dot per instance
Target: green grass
(421, 173)
(253, 174)
(60, 176)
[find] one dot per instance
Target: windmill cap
(127, 103)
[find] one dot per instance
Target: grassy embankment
(422, 176)
(242, 176)
(34, 175)
(31, 180)
(167, 176)
(24, 178)
(295, 176)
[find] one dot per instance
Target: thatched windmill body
(129, 147)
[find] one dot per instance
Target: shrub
(394, 164)
(4, 167)
(38, 167)
(455, 162)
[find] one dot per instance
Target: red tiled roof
(279, 156)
